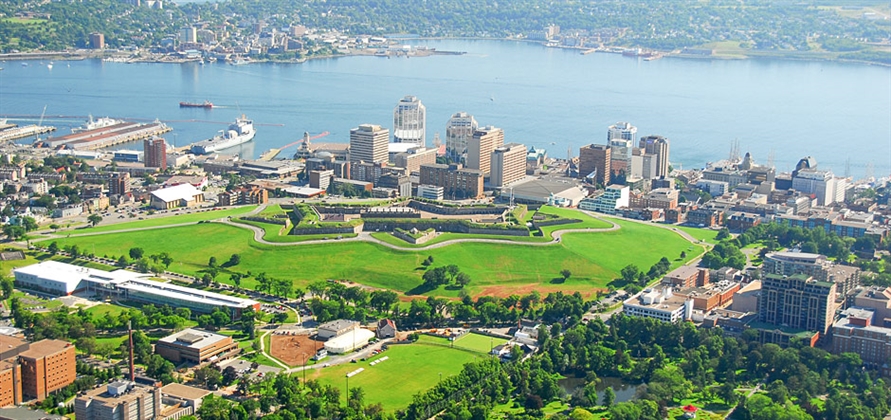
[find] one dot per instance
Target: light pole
(347, 399)
(304, 370)
(440, 376)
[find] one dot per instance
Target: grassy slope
(593, 258)
(167, 220)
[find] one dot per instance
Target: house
(386, 328)
(183, 195)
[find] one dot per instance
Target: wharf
(270, 154)
(26, 131)
(122, 132)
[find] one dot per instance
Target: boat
(206, 104)
(92, 124)
(49, 66)
(239, 132)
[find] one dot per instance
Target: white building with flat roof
(613, 198)
(661, 305)
(53, 277)
(350, 341)
(64, 279)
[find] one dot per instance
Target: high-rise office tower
(657, 145)
(595, 159)
(459, 130)
(480, 147)
(508, 164)
(410, 122)
(155, 153)
(368, 143)
(620, 155)
(623, 131)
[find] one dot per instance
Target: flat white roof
(185, 293)
(68, 274)
(193, 338)
(349, 341)
(179, 192)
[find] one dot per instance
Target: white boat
(92, 124)
(239, 132)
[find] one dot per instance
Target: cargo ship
(239, 132)
(206, 104)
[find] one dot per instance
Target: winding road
(367, 236)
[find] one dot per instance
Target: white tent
(349, 341)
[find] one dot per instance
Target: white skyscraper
(459, 129)
(410, 122)
(623, 131)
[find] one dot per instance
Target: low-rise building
(196, 346)
(336, 328)
(661, 305)
(243, 196)
(183, 195)
(710, 296)
(345, 343)
(746, 298)
(687, 276)
(178, 400)
(119, 401)
(612, 199)
(386, 328)
(854, 332)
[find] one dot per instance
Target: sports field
(409, 369)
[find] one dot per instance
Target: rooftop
(193, 338)
(68, 274)
(184, 391)
(338, 325)
(45, 348)
(8, 343)
(179, 192)
(185, 293)
(24, 413)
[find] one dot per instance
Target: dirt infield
(290, 349)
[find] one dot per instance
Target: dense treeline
(674, 361)
(333, 300)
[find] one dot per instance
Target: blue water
(833, 111)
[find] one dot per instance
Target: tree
(14, 232)
(207, 279)
(29, 223)
(462, 279)
(123, 261)
(53, 248)
(209, 377)
(6, 286)
(630, 273)
(94, 219)
(165, 259)
(565, 273)
(136, 253)
(234, 260)
(609, 397)
(212, 262)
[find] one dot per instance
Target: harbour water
(543, 97)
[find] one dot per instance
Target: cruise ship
(239, 132)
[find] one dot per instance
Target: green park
(509, 265)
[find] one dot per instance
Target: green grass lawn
(410, 369)
(706, 235)
(594, 258)
(276, 233)
(166, 220)
(479, 342)
(101, 310)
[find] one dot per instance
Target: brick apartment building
(47, 366)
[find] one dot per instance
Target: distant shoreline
(83, 54)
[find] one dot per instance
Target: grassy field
(408, 370)
(705, 235)
(479, 342)
(166, 220)
(495, 269)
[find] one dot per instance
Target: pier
(26, 131)
(270, 154)
(121, 132)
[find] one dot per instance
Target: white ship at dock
(239, 132)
